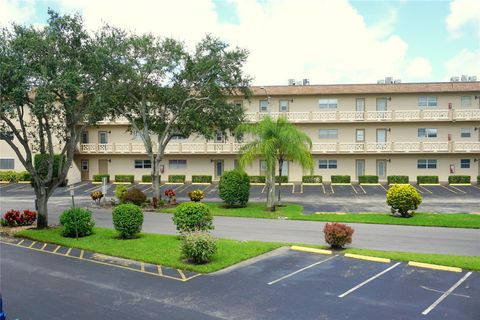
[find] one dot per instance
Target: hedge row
(459, 179)
(368, 179)
(148, 178)
(124, 178)
(177, 178)
(397, 179)
(202, 179)
(13, 176)
(427, 179)
(257, 179)
(340, 179)
(312, 179)
(99, 177)
(282, 179)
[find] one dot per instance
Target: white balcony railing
(466, 146)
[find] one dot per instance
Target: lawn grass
(295, 212)
(153, 248)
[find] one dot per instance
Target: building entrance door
(382, 169)
(103, 166)
(85, 167)
(218, 168)
(359, 168)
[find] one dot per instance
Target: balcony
(317, 148)
(371, 116)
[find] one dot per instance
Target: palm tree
(275, 141)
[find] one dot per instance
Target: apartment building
(359, 129)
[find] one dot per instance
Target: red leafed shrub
(15, 218)
(337, 235)
(170, 194)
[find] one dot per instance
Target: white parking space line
(381, 185)
(300, 270)
(443, 296)
(448, 189)
(459, 190)
(215, 188)
(95, 188)
(19, 188)
(368, 280)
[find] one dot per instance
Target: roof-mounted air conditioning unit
(464, 77)
(381, 81)
(472, 78)
(388, 80)
(291, 82)
(455, 79)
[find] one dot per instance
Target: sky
(325, 41)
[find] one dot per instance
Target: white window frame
(427, 133)
(177, 164)
(263, 166)
(328, 133)
(426, 164)
(328, 103)
(463, 100)
(142, 164)
(283, 105)
(263, 105)
(327, 164)
(428, 101)
(464, 131)
(465, 163)
(362, 137)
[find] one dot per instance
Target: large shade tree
(164, 90)
(51, 80)
(275, 141)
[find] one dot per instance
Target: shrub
(459, 179)
(234, 188)
(478, 179)
(196, 195)
(312, 179)
(96, 196)
(258, 179)
(15, 218)
(24, 176)
(127, 220)
(176, 178)
(201, 179)
(135, 196)
(10, 176)
(403, 199)
(192, 216)
(427, 179)
(397, 179)
(340, 179)
(77, 221)
(120, 192)
(368, 179)
(282, 179)
(99, 177)
(170, 194)
(41, 161)
(124, 178)
(148, 178)
(337, 235)
(198, 247)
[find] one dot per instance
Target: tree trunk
(42, 208)
(155, 178)
(271, 190)
(280, 163)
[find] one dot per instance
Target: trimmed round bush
(135, 196)
(234, 188)
(196, 195)
(77, 220)
(403, 199)
(120, 191)
(127, 220)
(337, 235)
(198, 247)
(193, 216)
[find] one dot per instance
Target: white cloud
(419, 68)
(16, 11)
(462, 13)
(465, 62)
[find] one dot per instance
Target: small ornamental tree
(337, 235)
(127, 220)
(403, 199)
(234, 188)
(193, 216)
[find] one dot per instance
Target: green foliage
(198, 247)
(459, 179)
(196, 195)
(135, 196)
(282, 179)
(478, 179)
(178, 178)
(127, 220)
(234, 188)
(312, 179)
(148, 178)
(397, 179)
(340, 179)
(427, 179)
(403, 199)
(10, 176)
(41, 163)
(368, 179)
(99, 177)
(120, 192)
(193, 216)
(124, 178)
(257, 179)
(77, 221)
(201, 179)
(337, 235)
(96, 196)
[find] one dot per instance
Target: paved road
(382, 237)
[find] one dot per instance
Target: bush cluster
(41, 164)
(312, 179)
(478, 179)
(193, 216)
(198, 247)
(99, 177)
(170, 194)
(120, 192)
(96, 196)
(368, 179)
(340, 179)
(15, 218)
(337, 235)
(397, 179)
(127, 220)
(282, 179)
(459, 179)
(77, 221)
(403, 199)
(178, 178)
(124, 178)
(135, 196)
(427, 179)
(202, 179)
(13, 176)
(148, 178)
(196, 195)
(234, 188)
(258, 179)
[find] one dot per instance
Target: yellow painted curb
(122, 182)
(144, 183)
(341, 184)
(96, 182)
(24, 182)
(201, 183)
(434, 266)
(174, 182)
(429, 184)
(312, 184)
(459, 184)
(312, 250)
(3, 182)
(257, 184)
(400, 184)
(358, 256)
(370, 184)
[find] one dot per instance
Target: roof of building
(367, 88)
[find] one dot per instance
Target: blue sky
(331, 41)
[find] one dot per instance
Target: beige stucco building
(364, 129)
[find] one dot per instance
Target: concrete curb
(311, 250)
(433, 266)
(369, 258)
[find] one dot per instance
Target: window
(263, 105)
(283, 105)
(327, 164)
(360, 104)
(84, 137)
(102, 137)
(6, 135)
(466, 101)
(427, 132)
(328, 103)
(219, 137)
(177, 164)
(465, 163)
(7, 164)
(360, 135)
(465, 132)
(427, 101)
(84, 165)
(143, 164)
(177, 137)
(238, 103)
(263, 166)
(426, 164)
(236, 165)
(328, 134)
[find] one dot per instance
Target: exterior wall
(7, 153)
